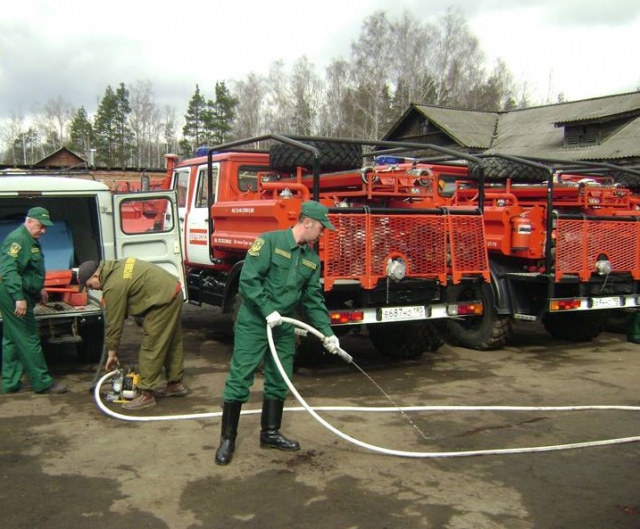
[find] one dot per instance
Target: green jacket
(279, 275)
(22, 266)
(130, 287)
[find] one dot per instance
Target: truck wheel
(488, 331)
(618, 320)
(405, 339)
(237, 303)
(90, 348)
(499, 169)
(334, 156)
(574, 326)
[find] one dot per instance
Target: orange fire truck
(399, 251)
(564, 246)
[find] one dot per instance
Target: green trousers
(250, 348)
(162, 346)
(633, 333)
(21, 348)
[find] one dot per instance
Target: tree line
(392, 64)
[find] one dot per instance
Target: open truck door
(146, 226)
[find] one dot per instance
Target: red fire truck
(399, 250)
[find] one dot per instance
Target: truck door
(197, 237)
(146, 226)
(181, 179)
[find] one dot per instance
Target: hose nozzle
(344, 355)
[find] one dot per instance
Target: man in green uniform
(281, 272)
(133, 287)
(21, 288)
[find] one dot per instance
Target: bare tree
(279, 108)
(12, 132)
(392, 64)
(166, 139)
(251, 95)
(53, 123)
(411, 43)
(457, 60)
(371, 66)
(306, 91)
(333, 119)
(143, 119)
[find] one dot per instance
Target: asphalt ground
(66, 464)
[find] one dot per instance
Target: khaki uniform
(21, 278)
(277, 275)
(132, 287)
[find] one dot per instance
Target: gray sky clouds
(75, 49)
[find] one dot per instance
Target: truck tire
(483, 333)
(405, 339)
(499, 169)
(89, 349)
(628, 180)
(334, 156)
(618, 320)
(577, 326)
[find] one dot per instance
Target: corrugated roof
(468, 127)
(535, 131)
(596, 108)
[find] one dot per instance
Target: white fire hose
(312, 410)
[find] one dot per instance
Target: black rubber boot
(229, 431)
(270, 422)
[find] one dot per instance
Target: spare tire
(628, 180)
(499, 169)
(334, 156)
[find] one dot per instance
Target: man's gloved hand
(274, 319)
(331, 344)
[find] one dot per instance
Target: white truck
(89, 223)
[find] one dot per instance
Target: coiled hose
(379, 449)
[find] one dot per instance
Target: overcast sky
(74, 49)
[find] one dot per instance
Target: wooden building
(602, 129)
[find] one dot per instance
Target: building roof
(540, 131)
(471, 128)
(63, 157)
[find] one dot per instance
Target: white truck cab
(90, 223)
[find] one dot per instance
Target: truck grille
(437, 247)
(580, 242)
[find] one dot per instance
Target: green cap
(41, 215)
(315, 210)
(85, 271)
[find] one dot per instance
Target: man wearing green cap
(281, 272)
(21, 287)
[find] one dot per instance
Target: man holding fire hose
(281, 272)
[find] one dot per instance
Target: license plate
(606, 303)
(403, 313)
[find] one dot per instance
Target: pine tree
(124, 134)
(194, 127)
(113, 135)
(221, 114)
(104, 129)
(81, 133)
